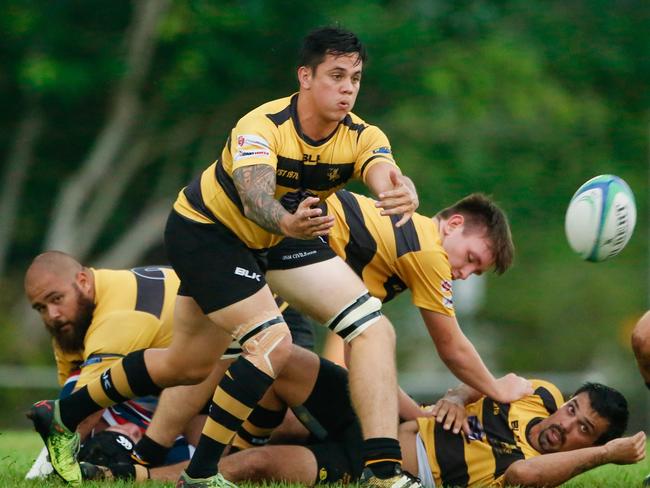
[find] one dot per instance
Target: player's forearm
(256, 188)
(465, 363)
(556, 468)
(408, 408)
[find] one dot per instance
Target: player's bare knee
(261, 464)
(266, 344)
(356, 317)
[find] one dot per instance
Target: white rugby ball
(601, 217)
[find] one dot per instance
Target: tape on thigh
(356, 317)
(258, 340)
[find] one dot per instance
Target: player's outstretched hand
(626, 450)
(307, 222)
(450, 412)
(512, 387)
(402, 199)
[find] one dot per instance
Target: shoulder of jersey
(271, 107)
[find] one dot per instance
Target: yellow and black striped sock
(241, 388)
(258, 427)
(127, 379)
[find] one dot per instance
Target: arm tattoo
(256, 188)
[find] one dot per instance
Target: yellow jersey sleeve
(114, 336)
(427, 275)
(373, 148)
(253, 141)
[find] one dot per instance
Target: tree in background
(110, 107)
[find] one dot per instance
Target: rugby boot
(646, 481)
(62, 444)
(216, 481)
(401, 479)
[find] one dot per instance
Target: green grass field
(19, 448)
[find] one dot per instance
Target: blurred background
(110, 107)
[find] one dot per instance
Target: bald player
(98, 316)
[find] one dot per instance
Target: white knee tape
(260, 340)
(356, 317)
(233, 352)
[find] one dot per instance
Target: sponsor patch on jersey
(251, 146)
(445, 286)
(382, 150)
(448, 302)
(476, 429)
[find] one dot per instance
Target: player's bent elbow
(520, 473)
(641, 343)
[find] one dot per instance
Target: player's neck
(312, 124)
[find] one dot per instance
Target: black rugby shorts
(215, 267)
(293, 253)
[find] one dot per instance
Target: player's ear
(456, 220)
(304, 77)
(83, 280)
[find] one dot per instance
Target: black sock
(149, 453)
(382, 455)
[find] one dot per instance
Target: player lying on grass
(471, 236)
(464, 440)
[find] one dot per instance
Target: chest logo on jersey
(287, 173)
(334, 174)
(445, 286)
(310, 158)
(476, 431)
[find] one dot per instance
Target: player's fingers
(308, 202)
(442, 413)
(466, 428)
(309, 213)
(398, 192)
(406, 216)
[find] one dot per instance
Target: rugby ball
(601, 217)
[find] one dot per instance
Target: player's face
(333, 86)
(65, 310)
(573, 426)
(468, 252)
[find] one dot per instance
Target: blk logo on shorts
(247, 274)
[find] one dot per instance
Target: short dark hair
(611, 405)
(482, 214)
(329, 40)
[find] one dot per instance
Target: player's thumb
(394, 178)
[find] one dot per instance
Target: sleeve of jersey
(113, 337)
(547, 395)
(427, 275)
(373, 148)
(253, 141)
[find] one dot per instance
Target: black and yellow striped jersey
(271, 135)
(134, 310)
(498, 438)
(391, 259)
